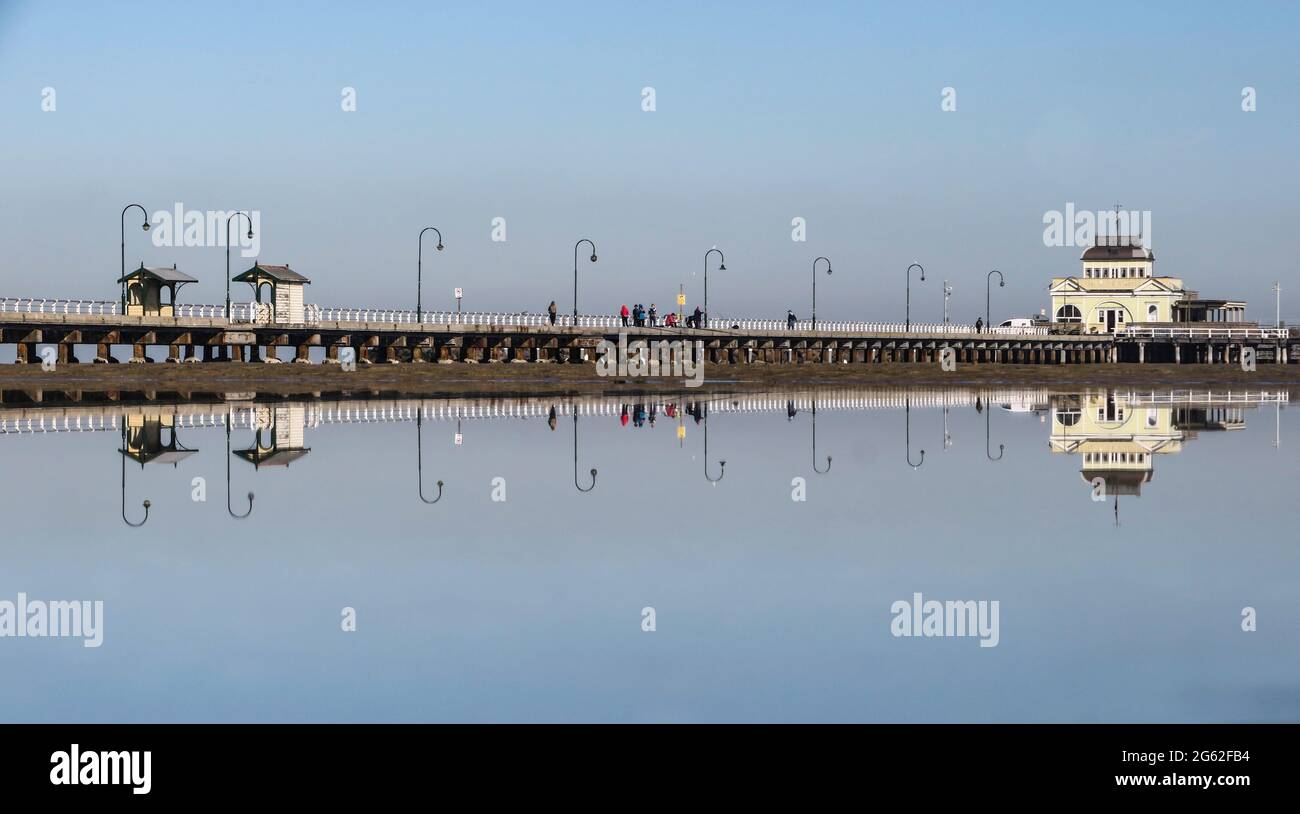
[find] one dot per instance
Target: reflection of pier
(48, 413)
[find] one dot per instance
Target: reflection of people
(790, 411)
(551, 418)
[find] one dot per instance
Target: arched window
(1069, 313)
(1067, 417)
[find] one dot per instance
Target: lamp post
(988, 283)
(145, 227)
(575, 274)
(909, 291)
(574, 408)
(1277, 291)
(722, 465)
(419, 453)
(947, 292)
(234, 215)
(722, 266)
(814, 443)
(146, 504)
(230, 509)
(988, 411)
(907, 411)
(419, 272)
(814, 288)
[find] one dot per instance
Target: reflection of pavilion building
(1117, 436)
(151, 439)
(1116, 441)
(279, 436)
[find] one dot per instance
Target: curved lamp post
(419, 274)
(907, 410)
(419, 460)
(814, 443)
(145, 227)
(575, 274)
(146, 503)
(909, 292)
(722, 266)
(722, 465)
(234, 215)
(828, 273)
(988, 412)
(575, 456)
(229, 508)
(988, 285)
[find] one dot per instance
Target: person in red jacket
(623, 313)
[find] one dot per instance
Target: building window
(1069, 313)
(1067, 418)
(1152, 312)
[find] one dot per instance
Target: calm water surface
(1121, 533)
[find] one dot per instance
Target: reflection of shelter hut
(279, 437)
(151, 439)
(285, 296)
(144, 287)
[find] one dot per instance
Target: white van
(1017, 322)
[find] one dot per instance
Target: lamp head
(593, 257)
(722, 267)
(145, 226)
(1002, 283)
(146, 504)
(439, 246)
(250, 233)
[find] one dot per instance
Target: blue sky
(765, 112)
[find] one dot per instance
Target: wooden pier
(204, 334)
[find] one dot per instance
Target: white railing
(261, 314)
(43, 305)
(1179, 332)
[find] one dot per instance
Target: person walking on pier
(695, 318)
(551, 310)
(979, 324)
(790, 320)
(654, 313)
(623, 314)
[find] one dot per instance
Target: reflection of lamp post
(828, 273)
(146, 503)
(419, 455)
(722, 266)
(814, 443)
(909, 291)
(233, 215)
(988, 412)
(907, 411)
(722, 465)
(229, 508)
(988, 283)
(574, 407)
(145, 227)
(575, 274)
(419, 269)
